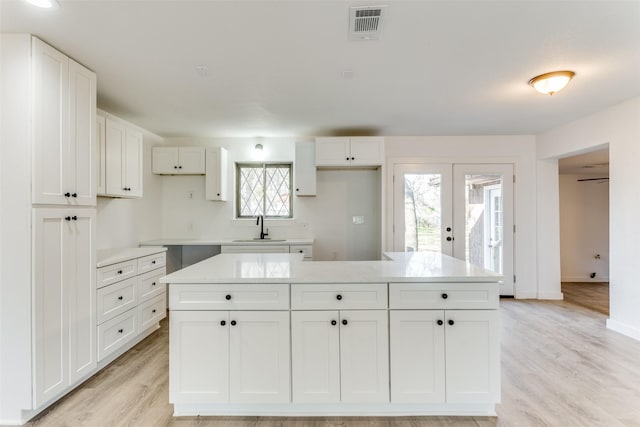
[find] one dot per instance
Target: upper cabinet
(216, 176)
(349, 151)
(64, 129)
(304, 169)
(123, 160)
(178, 160)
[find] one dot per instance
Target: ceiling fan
(598, 180)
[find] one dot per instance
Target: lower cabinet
(242, 357)
(64, 310)
(440, 356)
(340, 356)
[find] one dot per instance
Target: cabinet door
(115, 136)
(417, 356)
(164, 160)
(50, 74)
(81, 285)
(472, 356)
(333, 151)
(199, 357)
(364, 356)
(51, 235)
(101, 156)
(259, 365)
(367, 151)
(133, 163)
(81, 174)
(315, 356)
(305, 169)
(191, 160)
(216, 174)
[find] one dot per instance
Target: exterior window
(263, 189)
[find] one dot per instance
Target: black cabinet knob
(120, 297)
(297, 189)
(222, 323)
(153, 262)
(67, 218)
(67, 194)
(301, 251)
(449, 238)
(440, 322)
(75, 218)
(153, 311)
(153, 284)
(175, 167)
(445, 296)
(347, 158)
(448, 228)
(179, 167)
(334, 323)
(218, 194)
(233, 323)
(120, 331)
(339, 297)
(119, 272)
(227, 297)
(74, 195)
(451, 322)
(344, 321)
(353, 158)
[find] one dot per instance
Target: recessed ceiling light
(45, 4)
(550, 83)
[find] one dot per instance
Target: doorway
(461, 210)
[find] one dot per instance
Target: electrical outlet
(358, 219)
(190, 194)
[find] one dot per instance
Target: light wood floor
(560, 367)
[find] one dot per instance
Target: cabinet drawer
(339, 296)
(149, 286)
(152, 311)
(117, 298)
(443, 295)
(116, 272)
(229, 297)
(261, 248)
(307, 250)
(151, 262)
(116, 332)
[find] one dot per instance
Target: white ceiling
(275, 67)
(592, 163)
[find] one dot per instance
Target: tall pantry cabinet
(54, 116)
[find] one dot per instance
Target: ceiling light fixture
(259, 147)
(550, 83)
(44, 4)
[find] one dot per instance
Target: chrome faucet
(261, 224)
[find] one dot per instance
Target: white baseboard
(526, 295)
(573, 279)
(551, 295)
(624, 329)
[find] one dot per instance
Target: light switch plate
(358, 219)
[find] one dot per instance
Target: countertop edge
(107, 257)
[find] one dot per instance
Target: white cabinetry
(356, 336)
(216, 174)
(64, 135)
(449, 355)
(305, 169)
(349, 151)
(130, 301)
(64, 299)
(101, 161)
(123, 160)
(242, 357)
(178, 160)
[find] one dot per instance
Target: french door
(461, 210)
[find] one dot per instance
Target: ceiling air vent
(365, 22)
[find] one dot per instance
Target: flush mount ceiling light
(259, 147)
(550, 83)
(45, 4)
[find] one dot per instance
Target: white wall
(619, 126)
(519, 150)
(584, 229)
(340, 195)
(126, 222)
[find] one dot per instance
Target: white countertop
(216, 242)
(114, 256)
(290, 268)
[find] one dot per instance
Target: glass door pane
(422, 208)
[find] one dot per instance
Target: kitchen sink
(257, 240)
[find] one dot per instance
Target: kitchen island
(269, 334)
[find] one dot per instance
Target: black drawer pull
(440, 322)
(67, 194)
(153, 284)
(233, 323)
(120, 297)
(153, 262)
(119, 271)
(120, 331)
(451, 322)
(227, 297)
(153, 311)
(445, 296)
(344, 321)
(67, 218)
(339, 297)
(222, 323)
(334, 323)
